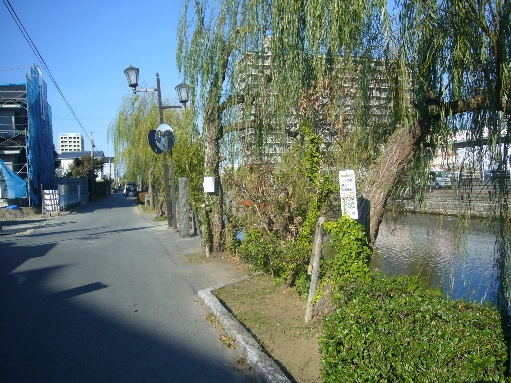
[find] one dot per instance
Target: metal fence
(70, 192)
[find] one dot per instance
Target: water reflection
(459, 263)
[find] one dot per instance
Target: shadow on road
(48, 336)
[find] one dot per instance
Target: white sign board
(209, 184)
(348, 193)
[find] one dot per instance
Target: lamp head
(132, 76)
(182, 92)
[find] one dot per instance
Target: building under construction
(26, 141)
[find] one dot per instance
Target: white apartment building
(70, 142)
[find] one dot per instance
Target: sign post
(348, 193)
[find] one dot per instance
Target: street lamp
(132, 76)
(182, 93)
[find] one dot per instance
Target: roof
(79, 154)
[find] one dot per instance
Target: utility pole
(92, 168)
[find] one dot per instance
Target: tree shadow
(49, 336)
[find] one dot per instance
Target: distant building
(70, 142)
(26, 138)
(67, 158)
(109, 170)
(255, 67)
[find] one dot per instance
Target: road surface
(105, 294)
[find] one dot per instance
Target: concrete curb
(265, 369)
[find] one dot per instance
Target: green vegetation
(278, 213)
(394, 330)
(101, 189)
(81, 167)
(387, 87)
(389, 83)
(352, 253)
(136, 117)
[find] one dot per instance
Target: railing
(69, 196)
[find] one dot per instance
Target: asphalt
(25, 225)
(265, 369)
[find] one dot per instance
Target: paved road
(106, 295)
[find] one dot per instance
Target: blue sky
(87, 45)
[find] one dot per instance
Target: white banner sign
(348, 193)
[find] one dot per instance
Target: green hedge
(101, 189)
(394, 330)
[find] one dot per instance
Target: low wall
(477, 203)
(73, 191)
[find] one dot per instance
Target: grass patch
(276, 319)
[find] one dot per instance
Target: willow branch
(435, 107)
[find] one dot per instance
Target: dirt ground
(275, 317)
(22, 213)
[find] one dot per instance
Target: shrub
(259, 249)
(394, 330)
(141, 197)
(351, 260)
(268, 253)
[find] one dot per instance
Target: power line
(42, 62)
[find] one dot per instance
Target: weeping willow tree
(128, 132)
(458, 56)
(188, 154)
(398, 83)
(207, 50)
(136, 117)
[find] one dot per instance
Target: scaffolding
(26, 137)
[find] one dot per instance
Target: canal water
(460, 263)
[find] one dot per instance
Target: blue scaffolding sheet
(15, 185)
(41, 159)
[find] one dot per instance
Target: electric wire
(42, 62)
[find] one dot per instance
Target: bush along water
(392, 329)
(280, 212)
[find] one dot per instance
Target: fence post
(316, 249)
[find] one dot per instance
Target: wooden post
(316, 248)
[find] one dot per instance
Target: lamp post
(132, 76)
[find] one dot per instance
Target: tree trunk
(212, 169)
(383, 176)
(399, 149)
(213, 134)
